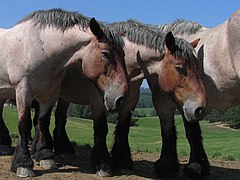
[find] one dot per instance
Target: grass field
(219, 143)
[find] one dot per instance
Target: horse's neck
(62, 47)
(145, 53)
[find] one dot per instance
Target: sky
(208, 13)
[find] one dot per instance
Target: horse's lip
(187, 116)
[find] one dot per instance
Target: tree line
(230, 116)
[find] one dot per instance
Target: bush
(81, 111)
(231, 116)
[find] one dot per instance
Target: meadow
(220, 143)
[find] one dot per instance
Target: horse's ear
(195, 42)
(96, 29)
(170, 42)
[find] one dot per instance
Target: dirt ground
(77, 167)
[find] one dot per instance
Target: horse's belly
(80, 94)
(224, 99)
(7, 92)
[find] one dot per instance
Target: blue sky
(206, 12)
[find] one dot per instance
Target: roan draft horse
(218, 53)
(170, 59)
(35, 55)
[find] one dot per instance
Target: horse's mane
(146, 35)
(139, 33)
(181, 27)
(63, 20)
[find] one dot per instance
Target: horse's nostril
(199, 113)
(119, 101)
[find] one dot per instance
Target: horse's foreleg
(121, 154)
(100, 159)
(22, 162)
(198, 165)
(167, 164)
(62, 144)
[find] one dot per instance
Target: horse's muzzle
(193, 110)
(112, 104)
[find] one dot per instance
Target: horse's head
(180, 77)
(103, 63)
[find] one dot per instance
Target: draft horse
(35, 55)
(218, 54)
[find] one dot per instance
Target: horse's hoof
(25, 172)
(103, 173)
(48, 164)
(193, 170)
(6, 150)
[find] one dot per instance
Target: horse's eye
(105, 54)
(181, 70)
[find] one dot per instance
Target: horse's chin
(189, 109)
(189, 118)
(109, 107)
(113, 104)
(109, 103)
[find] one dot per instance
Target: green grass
(219, 143)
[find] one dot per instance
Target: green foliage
(82, 111)
(144, 112)
(231, 116)
(145, 99)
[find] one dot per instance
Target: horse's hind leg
(62, 144)
(43, 148)
(5, 139)
(198, 165)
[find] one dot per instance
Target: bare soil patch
(77, 167)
